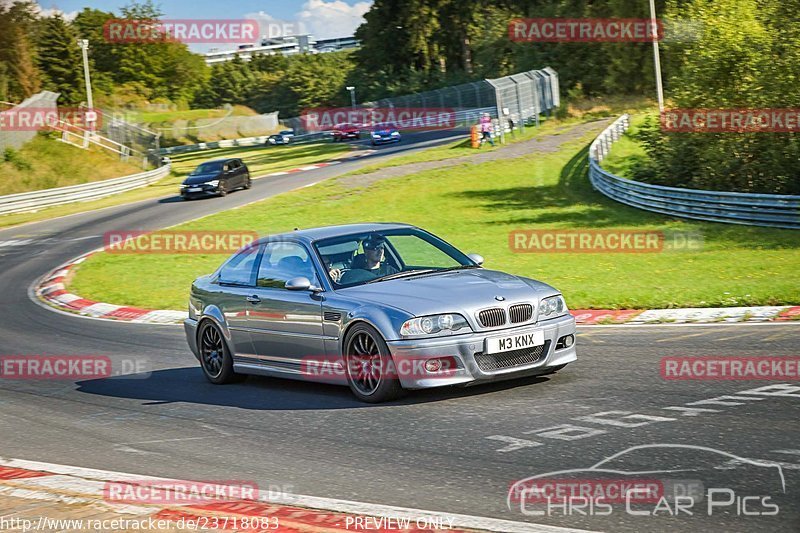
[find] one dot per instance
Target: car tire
(221, 190)
(215, 358)
(248, 183)
(369, 366)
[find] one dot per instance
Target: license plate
(194, 189)
(515, 342)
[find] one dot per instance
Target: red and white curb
(33, 480)
(690, 315)
(52, 291)
(302, 169)
(319, 165)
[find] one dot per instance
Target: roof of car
(225, 160)
(324, 232)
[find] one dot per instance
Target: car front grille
(510, 359)
(491, 318)
(520, 313)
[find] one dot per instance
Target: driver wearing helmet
(366, 266)
(374, 255)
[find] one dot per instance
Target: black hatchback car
(217, 177)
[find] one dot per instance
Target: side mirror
(477, 258)
(301, 283)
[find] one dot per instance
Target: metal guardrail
(33, 201)
(771, 210)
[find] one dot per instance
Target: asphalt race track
(454, 450)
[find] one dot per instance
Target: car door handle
(254, 299)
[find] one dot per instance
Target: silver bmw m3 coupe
(378, 307)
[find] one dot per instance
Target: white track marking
(87, 481)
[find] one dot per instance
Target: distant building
(289, 45)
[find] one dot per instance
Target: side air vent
(332, 316)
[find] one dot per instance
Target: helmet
(373, 242)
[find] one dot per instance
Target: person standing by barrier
(486, 129)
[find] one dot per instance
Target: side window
(417, 252)
(240, 269)
(283, 261)
(235, 164)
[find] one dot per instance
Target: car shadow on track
(187, 385)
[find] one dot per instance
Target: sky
(321, 18)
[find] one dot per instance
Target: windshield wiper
(459, 267)
(403, 274)
(419, 272)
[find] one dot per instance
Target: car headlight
(213, 183)
(430, 325)
(395, 133)
(552, 307)
(377, 136)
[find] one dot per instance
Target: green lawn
(45, 163)
(627, 151)
(475, 207)
(160, 117)
(261, 159)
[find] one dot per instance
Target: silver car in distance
(379, 307)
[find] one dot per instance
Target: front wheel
(215, 358)
(248, 183)
(221, 190)
(369, 366)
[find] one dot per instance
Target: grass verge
(45, 163)
(261, 160)
(475, 207)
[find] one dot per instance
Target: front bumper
(387, 139)
(466, 349)
(190, 329)
(205, 190)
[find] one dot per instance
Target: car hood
(200, 178)
(463, 291)
(383, 132)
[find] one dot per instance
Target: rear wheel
(248, 183)
(215, 359)
(369, 366)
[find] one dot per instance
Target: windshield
(208, 168)
(375, 256)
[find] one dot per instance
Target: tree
(17, 25)
(746, 57)
(59, 60)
